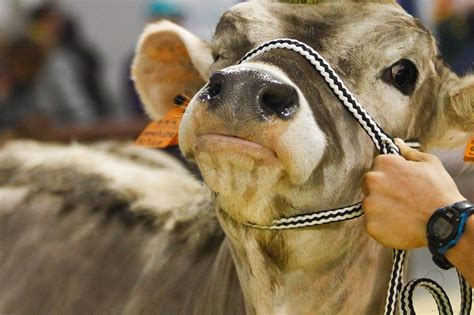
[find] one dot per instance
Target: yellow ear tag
(469, 153)
(164, 132)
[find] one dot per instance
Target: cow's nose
(254, 90)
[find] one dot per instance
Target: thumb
(409, 153)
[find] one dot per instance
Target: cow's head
(272, 140)
(269, 137)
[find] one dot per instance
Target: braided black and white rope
(440, 296)
(382, 141)
(385, 145)
(313, 219)
(466, 295)
(396, 281)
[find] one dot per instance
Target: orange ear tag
(164, 132)
(469, 153)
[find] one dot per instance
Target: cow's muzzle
(250, 92)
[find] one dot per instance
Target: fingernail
(399, 141)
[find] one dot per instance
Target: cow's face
(269, 136)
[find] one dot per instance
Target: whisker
(182, 100)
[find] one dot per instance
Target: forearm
(462, 255)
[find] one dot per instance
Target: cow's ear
(454, 118)
(169, 61)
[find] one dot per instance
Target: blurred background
(64, 64)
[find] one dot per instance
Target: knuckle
(367, 206)
(385, 160)
(432, 158)
(371, 180)
(371, 228)
(378, 161)
(365, 178)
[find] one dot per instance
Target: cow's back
(108, 231)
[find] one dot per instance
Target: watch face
(442, 228)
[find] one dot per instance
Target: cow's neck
(323, 270)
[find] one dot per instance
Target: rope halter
(385, 145)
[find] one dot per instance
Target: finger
(367, 206)
(385, 161)
(371, 182)
(364, 188)
(409, 153)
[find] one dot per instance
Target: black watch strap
(461, 210)
(441, 261)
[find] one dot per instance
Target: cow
(106, 229)
(270, 139)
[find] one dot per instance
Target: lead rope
(385, 145)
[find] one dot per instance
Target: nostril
(214, 89)
(279, 99)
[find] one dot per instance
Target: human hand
(401, 195)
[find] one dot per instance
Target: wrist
(450, 200)
(455, 255)
(446, 201)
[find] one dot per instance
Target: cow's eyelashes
(221, 55)
(216, 56)
(403, 75)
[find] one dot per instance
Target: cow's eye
(216, 56)
(403, 75)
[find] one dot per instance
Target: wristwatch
(445, 228)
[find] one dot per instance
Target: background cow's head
(269, 136)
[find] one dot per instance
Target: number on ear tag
(164, 132)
